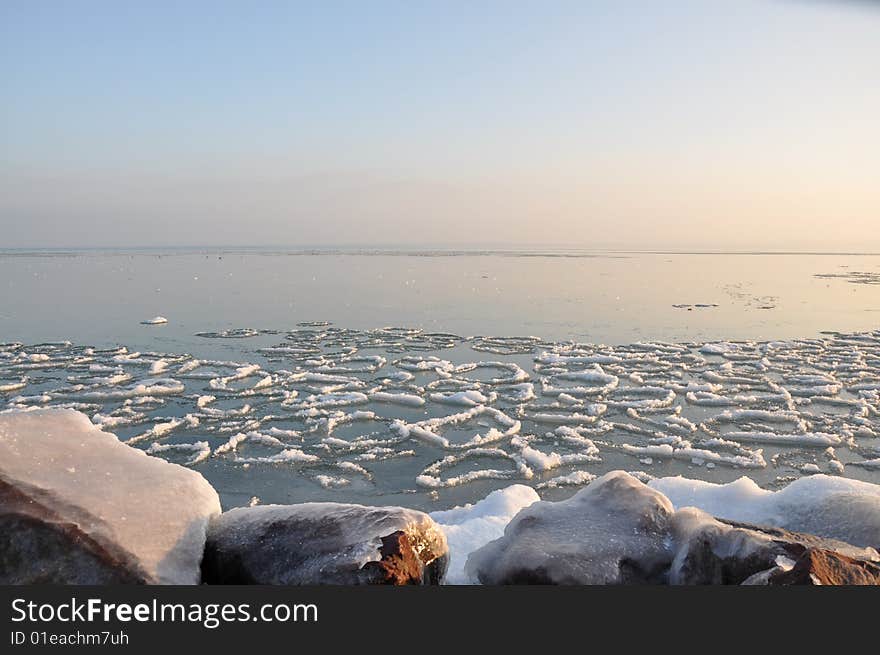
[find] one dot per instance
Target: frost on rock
(709, 551)
(77, 506)
(324, 543)
(615, 531)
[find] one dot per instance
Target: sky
(724, 125)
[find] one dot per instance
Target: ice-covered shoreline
(837, 508)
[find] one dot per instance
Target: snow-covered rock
(709, 551)
(620, 531)
(324, 543)
(824, 505)
(77, 506)
(615, 531)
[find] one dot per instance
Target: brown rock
(400, 563)
(816, 566)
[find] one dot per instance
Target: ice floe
(420, 413)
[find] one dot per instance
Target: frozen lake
(429, 379)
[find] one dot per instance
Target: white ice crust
(154, 510)
(828, 506)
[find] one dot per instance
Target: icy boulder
(827, 506)
(77, 506)
(620, 531)
(615, 531)
(324, 543)
(709, 551)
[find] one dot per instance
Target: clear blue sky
(741, 124)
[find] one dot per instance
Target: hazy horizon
(739, 126)
(418, 249)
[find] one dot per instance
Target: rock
(400, 563)
(38, 546)
(817, 566)
(795, 542)
(710, 551)
(324, 543)
(619, 531)
(615, 531)
(77, 506)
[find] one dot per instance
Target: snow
(414, 363)
(158, 367)
(154, 510)
(471, 526)
(430, 476)
(332, 482)
(149, 387)
(573, 479)
(286, 456)
(828, 506)
(397, 398)
(429, 429)
(334, 399)
(520, 393)
(753, 459)
(231, 445)
(470, 398)
(13, 386)
(807, 439)
(541, 461)
(200, 450)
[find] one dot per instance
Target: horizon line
(548, 250)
